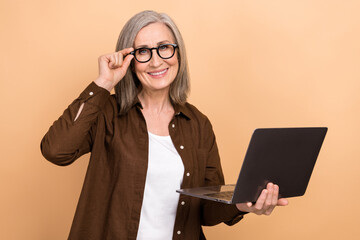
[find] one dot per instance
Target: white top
(164, 176)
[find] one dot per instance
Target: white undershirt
(164, 175)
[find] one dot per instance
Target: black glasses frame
(157, 51)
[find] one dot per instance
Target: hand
(113, 67)
(266, 202)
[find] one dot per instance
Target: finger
(268, 206)
(116, 60)
(104, 62)
(268, 201)
(120, 55)
(119, 59)
(244, 207)
(126, 51)
(277, 202)
(282, 202)
(261, 200)
(275, 195)
(112, 61)
(127, 61)
(117, 63)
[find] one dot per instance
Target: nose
(155, 60)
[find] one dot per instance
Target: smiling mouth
(158, 73)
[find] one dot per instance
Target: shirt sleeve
(214, 212)
(67, 139)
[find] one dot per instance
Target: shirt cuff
(234, 211)
(94, 95)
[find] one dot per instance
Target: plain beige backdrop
(253, 63)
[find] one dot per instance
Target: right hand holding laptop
(266, 202)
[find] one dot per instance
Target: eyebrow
(147, 46)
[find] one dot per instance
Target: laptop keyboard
(222, 195)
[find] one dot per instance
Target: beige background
(253, 63)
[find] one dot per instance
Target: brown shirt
(110, 202)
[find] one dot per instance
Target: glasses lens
(143, 54)
(166, 51)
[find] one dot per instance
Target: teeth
(158, 73)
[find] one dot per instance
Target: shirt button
(178, 232)
(181, 147)
(183, 203)
(91, 93)
(173, 125)
(188, 174)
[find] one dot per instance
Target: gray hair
(128, 88)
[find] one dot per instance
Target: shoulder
(200, 126)
(191, 112)
(110, 109)
(195, 115)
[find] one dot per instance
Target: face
(158, 73)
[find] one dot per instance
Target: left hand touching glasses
(266, 202)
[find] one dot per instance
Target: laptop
(283, 156)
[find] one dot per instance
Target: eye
(163, 47)
(143, 51)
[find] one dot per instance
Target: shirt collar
(180, 109)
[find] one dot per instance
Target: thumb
(282, 202)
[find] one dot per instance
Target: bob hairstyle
(127, 89)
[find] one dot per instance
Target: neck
(155, 102)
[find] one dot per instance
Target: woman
(145, 141)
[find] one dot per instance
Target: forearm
(70, 136)
(214, 213)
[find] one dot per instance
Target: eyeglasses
(165, 51)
